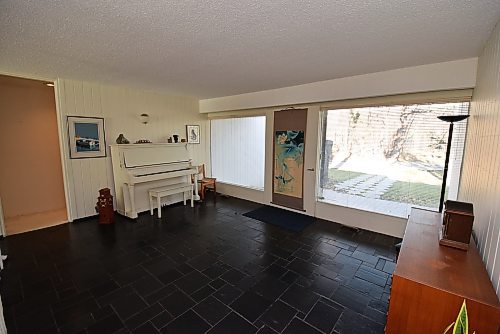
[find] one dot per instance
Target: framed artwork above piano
(138, 168)
(193, 134)
(86, 137)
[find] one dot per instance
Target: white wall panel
(120, 107)
(449, 75)
(480, 177)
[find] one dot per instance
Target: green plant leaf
(461, 324)
(448, 328)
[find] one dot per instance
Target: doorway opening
(31, 180)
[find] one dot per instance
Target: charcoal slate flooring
(202, 270)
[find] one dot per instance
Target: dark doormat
(288, 220)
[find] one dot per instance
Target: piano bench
(171, 189)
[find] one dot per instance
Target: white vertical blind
(238, 151)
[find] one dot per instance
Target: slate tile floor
(207, 269)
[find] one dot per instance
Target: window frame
(452, 96)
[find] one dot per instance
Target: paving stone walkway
(364, 192)
(371, 186)
(378, 205)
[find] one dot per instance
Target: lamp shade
(453, 118)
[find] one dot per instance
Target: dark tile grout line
(189, 296)
(228, 306)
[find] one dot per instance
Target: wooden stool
(169, 190)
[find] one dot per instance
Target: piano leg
(131, 195)
(192, 205)
(150, 204)
(196, 196)
(158, 201)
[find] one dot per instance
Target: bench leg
(151, 205)
(192, 197)
(158, 200)
(184, 197)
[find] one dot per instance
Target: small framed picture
(193, 134)
(86, 137)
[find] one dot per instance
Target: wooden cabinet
(431, 281)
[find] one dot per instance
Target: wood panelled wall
(480, 177)
(120, 107)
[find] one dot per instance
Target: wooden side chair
(205, 182)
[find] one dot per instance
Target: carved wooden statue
(104, 207)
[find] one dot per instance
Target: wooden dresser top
(423, 260)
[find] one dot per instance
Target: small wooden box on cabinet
(458, 218)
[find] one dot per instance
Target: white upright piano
(139, 167)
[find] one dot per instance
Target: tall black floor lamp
(451, 120)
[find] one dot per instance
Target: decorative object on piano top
(458, 218)
(193, 134)
(86, 137)
(143, 141)
(104, 207)
(144, 118)
(176, 138)
(122, 140)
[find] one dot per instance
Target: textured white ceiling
(225, 47)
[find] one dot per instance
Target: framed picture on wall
(86, 137)
(193, 134)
